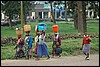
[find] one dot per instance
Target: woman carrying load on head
(56, 45)
(20, 42)
(57, 50)
(36, 40)
(28, 41)
(42, 49)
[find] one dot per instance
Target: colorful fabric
(41, 39)
(58, 50)
(35, 49)
(56, 44)
(30, 41)
(86, 40)
(20, 43)
(42, 47)
(26, 49)
(36, 39)
(28, 44)
(30, 51)
(20, 47)
(42, 50)
(86, 48)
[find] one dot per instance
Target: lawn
(64, 28)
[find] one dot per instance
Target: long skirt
(42, 50)
(86, 48)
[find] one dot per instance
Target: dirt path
(62, 61)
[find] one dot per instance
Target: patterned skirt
(30, 51)
(35, 49)
(86, 48)
(42, 50)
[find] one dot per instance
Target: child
(86, 45)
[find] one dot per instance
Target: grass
(69, 47)
(92, 21)
(64, 28)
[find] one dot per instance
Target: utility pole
(22, 16)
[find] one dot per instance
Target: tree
(52, 13)
(93, 5)
(82, 26)
(75, 15)
(10, 8)
(73, 6)
(27, 5)
(65, 11)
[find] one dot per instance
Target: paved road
(62, 61)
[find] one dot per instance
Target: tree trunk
(65, 12)
(10, 21)
(75, 16)
(81, 17)
(84, 17)
(76, 23)
(52, 15)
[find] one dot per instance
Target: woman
(36, 40)
(36, 43)
(42, 47)
(86, 45)
(28, 45)
(56, 45)
(20, 46)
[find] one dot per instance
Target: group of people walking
(24, 45)
(40, 49)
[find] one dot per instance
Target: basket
(27, 28)
(55, 28)
(19, 32)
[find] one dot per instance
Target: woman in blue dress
(42, 47)
(28, 45)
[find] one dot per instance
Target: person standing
(86, 46)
